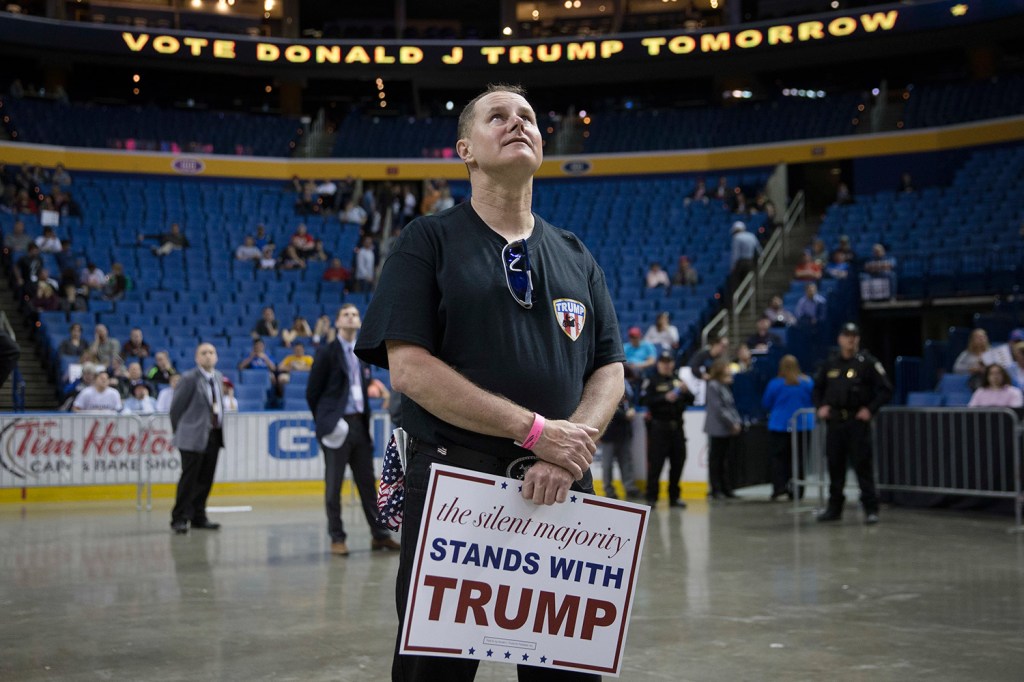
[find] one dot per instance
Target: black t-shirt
(443, 287)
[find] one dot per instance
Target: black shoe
(651, 503)
(730, 495)
(205, 524)
(871, 519)
(679, 504)
(716, 496)
(179, 527)
(830, 515)
(779, 493)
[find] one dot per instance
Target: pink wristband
(534, 435)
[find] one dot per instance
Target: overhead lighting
(268, 5)
(507, 31)
(449, 105)
(197, 4)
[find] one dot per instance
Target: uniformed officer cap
(665, 356)
(851, 329)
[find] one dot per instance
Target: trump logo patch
(570, 315)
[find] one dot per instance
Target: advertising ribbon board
(499, 578)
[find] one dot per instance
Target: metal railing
(808, 453)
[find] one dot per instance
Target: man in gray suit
(197, 417)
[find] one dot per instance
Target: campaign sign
(499, 578)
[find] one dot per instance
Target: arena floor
(745, 590)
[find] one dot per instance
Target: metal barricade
(809, 466)
(959, 451)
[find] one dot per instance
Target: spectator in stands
(166, 394)
(1016, 369)
(326, 192)
(366, 266)
(60, 176)
(997, 390)
(160, 374)
(26, 270)
(323, 332)
(297, 361)
(248, 251)
(353, 216)
(743, 259)
(45, 278)
(291, 259)
(261, 239)
(337, 272)
(846, 249)
(305, 203)
(74, 345)
(258, 359)
(92, 278)
(24, 203)
(299, 329)
(49, 242)
(229, 399)
(906, 183)
(45, 299)
(132, 374)
(105, 348)
(686, 274)
(819, 252)
(790, 391)
(319, 254)
(640, 354)
(778, 314)
(267, 260)
(98, 397)
(116, 285)
(656, 277)
(303, 241)
(763, 339)
(838, 268)
(135, 346)
(67, 258)
(267, 326)
(807, 270)
(971, 360)
(811, 308)
(170, 241)
(721, 192)
(881, 266)
(843, 194)
(702, 360)
(700, 193)
(663, 334)
(722, 423)
(17, 240)
(744, 360)
(139, 400)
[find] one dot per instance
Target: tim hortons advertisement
(499, 578)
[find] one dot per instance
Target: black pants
(357, 453)
(197, 470)
(849, 444)
(407, 668)
(782, 462)
(665, 441)
(719, 464)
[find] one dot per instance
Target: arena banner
(499, 578)
(46, 450)
(350, 57)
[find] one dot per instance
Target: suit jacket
(328, 389)
(190, 411)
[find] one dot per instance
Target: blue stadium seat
(924, 399)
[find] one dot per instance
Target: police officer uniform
(846, 385)
(665, 437)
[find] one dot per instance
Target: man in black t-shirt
(499, 330)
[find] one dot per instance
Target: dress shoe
(678, 504)
(179, 527)
(385, 544)
(716, 496)
(871, 519)
(829, 515)
(205, 524)
(339, 548)
(730, 495)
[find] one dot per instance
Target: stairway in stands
(40, 393)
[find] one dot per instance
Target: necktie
(355, 381)
(214, 412)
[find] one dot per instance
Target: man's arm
(451, 397)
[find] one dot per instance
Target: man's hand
(546, 483)
(567, 445)
(864, 414)
(824, 412)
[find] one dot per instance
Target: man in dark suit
(197, 418)
(336, 394)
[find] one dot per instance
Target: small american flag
(391, 498)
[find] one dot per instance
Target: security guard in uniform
(849, 389)
(665, 397)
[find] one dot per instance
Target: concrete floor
(744, 590)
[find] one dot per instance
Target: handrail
(743, 295)
(705, 333)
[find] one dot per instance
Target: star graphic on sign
(489, 653)
(543, 659)
(472, 651)
(504, 486)
(508, 654)
(573, 498)
(958, 10)
(526, 657)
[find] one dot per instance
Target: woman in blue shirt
(785, 394)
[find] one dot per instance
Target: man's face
(348, 320)
(811, 290)
(76, 332)
(134, 371)
(776, 302)
(136, 336)
(268, 314)
(102, 382)
(163, 361)
(762, 326)
(666, 367)
(101, 332)
(206, 356)
(504, 134)
(298, 351)
(849, 343)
